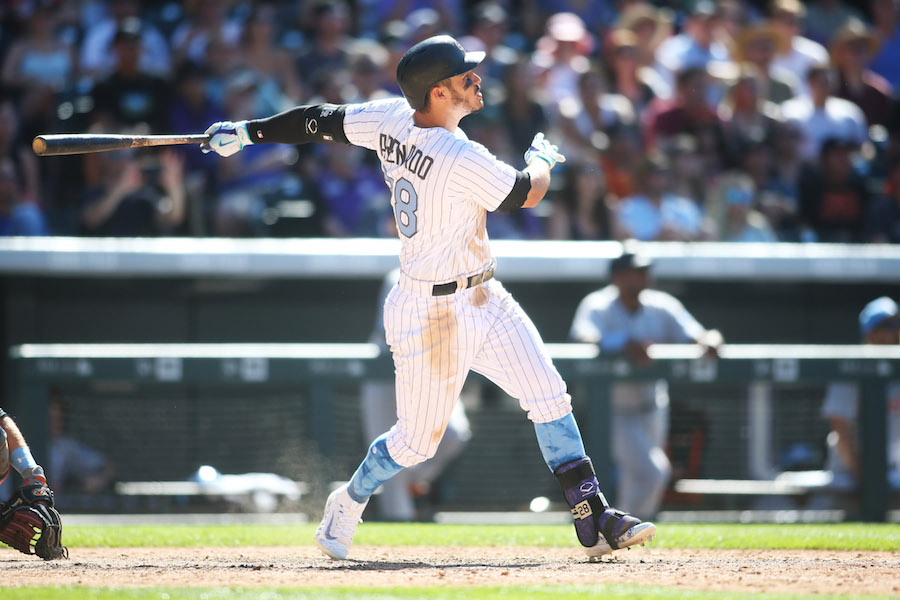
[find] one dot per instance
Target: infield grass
(812, 536)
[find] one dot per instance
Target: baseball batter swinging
(447, 315)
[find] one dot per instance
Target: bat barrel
(63, 144)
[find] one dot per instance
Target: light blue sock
(560, 441)
(376, 468)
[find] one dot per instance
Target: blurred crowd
(735, 120)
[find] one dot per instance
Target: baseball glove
(30, 524)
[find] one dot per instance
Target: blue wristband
(21, 459)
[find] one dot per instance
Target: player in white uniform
(447, 315)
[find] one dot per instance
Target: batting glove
(226, 138)
(544, 150)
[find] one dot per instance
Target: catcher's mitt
(30, 524)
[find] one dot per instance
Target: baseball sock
(376, 468)
(560, 441)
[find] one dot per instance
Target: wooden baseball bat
(81, 143)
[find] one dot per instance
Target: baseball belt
(445, 289)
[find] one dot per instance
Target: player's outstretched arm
(299, 125)
(540, 158)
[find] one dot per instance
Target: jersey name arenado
(441, 185)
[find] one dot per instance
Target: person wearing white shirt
(787, 16)
(822, 115)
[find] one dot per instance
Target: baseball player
(626, 317)
(28, 520)
(447, 314)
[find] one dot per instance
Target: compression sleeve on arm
(301, 125)
(517, 195)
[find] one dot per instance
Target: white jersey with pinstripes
(441, 184)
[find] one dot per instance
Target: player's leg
(514, 357)
(428, 344)
(378, 408)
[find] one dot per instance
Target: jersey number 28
(406, 201)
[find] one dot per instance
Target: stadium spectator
(193, 109)
(651, 26)
(654, 213)
(585, 116)
(778, 198)
(14, 149)
(562, 55)
(129, 96)
(689, 178)
(249, 181)
(354, 197)
(627, 317)
(619, 160)
(133, 195)
(886, 21)
(97, 57)
(488, 31)
(688, 112)
(745, 113)
(38, 65)
(326, 50)
(834, 198)
(18, 215)
(758, 45)
(879, 324)
(825, 17)
(884, 218)
(580, 211)
(821, 115)
(522, 111)
(787, 16)
(729, 206)
(852, 49)
(280, 86)
(626, 77)
(695, 47)
(368, 64)
(207, 21)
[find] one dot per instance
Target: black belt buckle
(445, 289)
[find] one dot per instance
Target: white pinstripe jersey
(441, 184)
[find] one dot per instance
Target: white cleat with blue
(637, 534)
(342, 514)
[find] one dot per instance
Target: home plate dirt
(795, 571)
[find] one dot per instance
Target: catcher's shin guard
(582, 491)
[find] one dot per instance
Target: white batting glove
(543, 149)
(226, 138)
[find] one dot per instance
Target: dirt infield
(796, 571)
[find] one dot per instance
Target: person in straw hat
(852, 49)
(759, 44)
(787, 16)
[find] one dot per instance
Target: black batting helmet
(429, 62)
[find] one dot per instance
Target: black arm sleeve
(301, 125)
(517, 195)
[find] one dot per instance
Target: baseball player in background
(625, 317)
(378, 407)
(447, 314)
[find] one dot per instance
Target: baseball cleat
(637, 534)
(342, 514)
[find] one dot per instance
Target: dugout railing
(319, 369)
